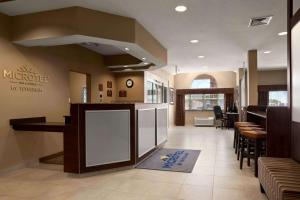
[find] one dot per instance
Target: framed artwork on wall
(109, 84)
(122, 93)
(100, 87)
(109, 93)
(171, 96)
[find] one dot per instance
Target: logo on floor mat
(173, 159)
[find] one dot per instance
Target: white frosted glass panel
(146, 130)
(162, 125)
(296, 73)
(107, 136)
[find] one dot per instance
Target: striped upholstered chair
(279, 178)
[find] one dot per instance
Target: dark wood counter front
(276, 121)
(37, 124)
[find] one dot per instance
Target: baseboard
(31, 163)
(49, 157)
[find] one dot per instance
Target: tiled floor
(216, 176)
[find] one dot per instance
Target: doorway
(80, 87)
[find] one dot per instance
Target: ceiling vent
(258, 21)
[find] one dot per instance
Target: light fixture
(201, 56)
(194, 41)
(145, 63)
(127, 49)
(127, 69)
(180, 8)
(143, 58)
(267, 52)
(282, 33)
(125, 66)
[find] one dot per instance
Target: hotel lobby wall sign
(25, 79)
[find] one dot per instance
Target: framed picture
(100, 87)
(109, 93)
(122, 93)
(171, 96)
(109, 84)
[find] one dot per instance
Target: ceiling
(103, 49)
(220, 26)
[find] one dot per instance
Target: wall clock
(129, 83)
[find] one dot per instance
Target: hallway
(216, 176)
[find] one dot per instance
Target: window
(84, 95)
(203, 101)
(278, 98)
(201, 83)
(155, 92)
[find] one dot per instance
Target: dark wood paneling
(295, 19)
(71, 143)
(179, 111)
(49, 157)
(37, 124)
(272, 88)
(206, 91)
(296, 141)
(279, 132)
(276, 121)
(27, 120)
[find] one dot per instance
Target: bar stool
(239, 138)
(236, 126)
(254, 142)
(236, 131)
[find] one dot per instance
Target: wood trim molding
(206, 91)
(295, 19)
(272, 88)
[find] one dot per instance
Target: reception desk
(105, 136)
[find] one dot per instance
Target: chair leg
(262, 190)
(256, 155)
(248, 153)
(234, 138)
(242, 152)
(238, 146)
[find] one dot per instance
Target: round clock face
(129, 83)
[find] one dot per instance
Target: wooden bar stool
(236, 132)
(254, 142)
(236, 126)
(239, 138)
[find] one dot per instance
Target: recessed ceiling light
(145, 63)
(267, 52)
(125, 65)
(143, 58)
(194, 41)
(127, 49)
(282, 33)
(201, 56)
(180, 8)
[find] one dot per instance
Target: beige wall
(134, 94)
(225, 79)
(18, 148)
(272, 77)
(77, 81)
